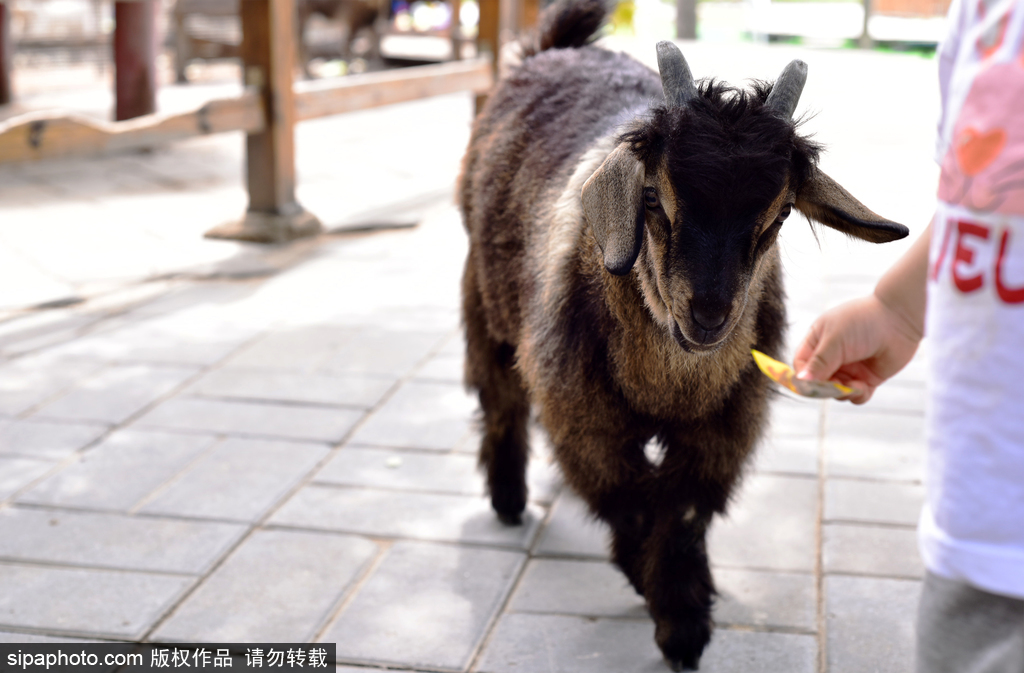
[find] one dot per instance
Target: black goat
(622, 264)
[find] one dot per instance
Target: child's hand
(859, 344)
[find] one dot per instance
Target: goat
(355, 16)
(622, 263)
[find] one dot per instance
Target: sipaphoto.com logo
(61, 659)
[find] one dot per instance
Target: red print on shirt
(967, 277)
(984, 167)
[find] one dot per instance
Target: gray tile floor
(221, 442)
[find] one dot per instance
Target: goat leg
(504, 449)
(626, 513)
(504, 454)
(678, 585)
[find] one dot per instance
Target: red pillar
(135, 58)
(6, 52)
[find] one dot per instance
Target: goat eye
(784, 213)
(650, 197)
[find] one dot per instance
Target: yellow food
(784, 375)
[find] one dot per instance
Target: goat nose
(709, 319)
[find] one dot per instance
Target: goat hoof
(508, 503)
(680, 665)
(515, 519)
(682, 642)
(509, 514)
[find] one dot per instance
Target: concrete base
(258, 227)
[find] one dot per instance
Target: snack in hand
(784, 375)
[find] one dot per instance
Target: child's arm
(865, 341)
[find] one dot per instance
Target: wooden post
(268, 62)
(487, 39)
(529, 11)
(456, 29)
(686, 19)
(6, 52)
(865, 41)
(135, 58)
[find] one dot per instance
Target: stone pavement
(209, 441)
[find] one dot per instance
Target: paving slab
(787, 455)
(795, 417)
(425, 606)
(403, 470)
(240, 479)
(770, 526)
(46, 440)
(26, 285)
(203, 338)
(342, 348)
(119, 472)
(354, 390)
(252, 419)
(543, 478)
(278, 586)
(12, 637)
(871, 550)
(87, 602)
(30, 380)
(195, 298)
(443, 367)
(384, 351)
(116, 393)
(571, 587)
(870, 624)
(875, 446)
(17, 473)
(36, 331)
(470, 442)
(454, 347)
(300, 349)
(766, 599)
(426, 471)
(113, 540)
(421, 516)
(420, 415)
(569, 644)
(873, 501)
(572, 531)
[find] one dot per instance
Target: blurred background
(379, 96)
(61, 51)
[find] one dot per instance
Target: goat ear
(614, 207)
(823, 199)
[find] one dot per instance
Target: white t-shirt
(972, 526)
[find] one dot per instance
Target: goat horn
(787, 89)
(676, 79)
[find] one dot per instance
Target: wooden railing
(267, 111)
(319, 98)
(48, 135)
(55, 135)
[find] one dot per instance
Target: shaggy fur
(614, 354)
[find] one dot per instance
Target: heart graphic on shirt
(976, 150)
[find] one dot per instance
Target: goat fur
(579, 316)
